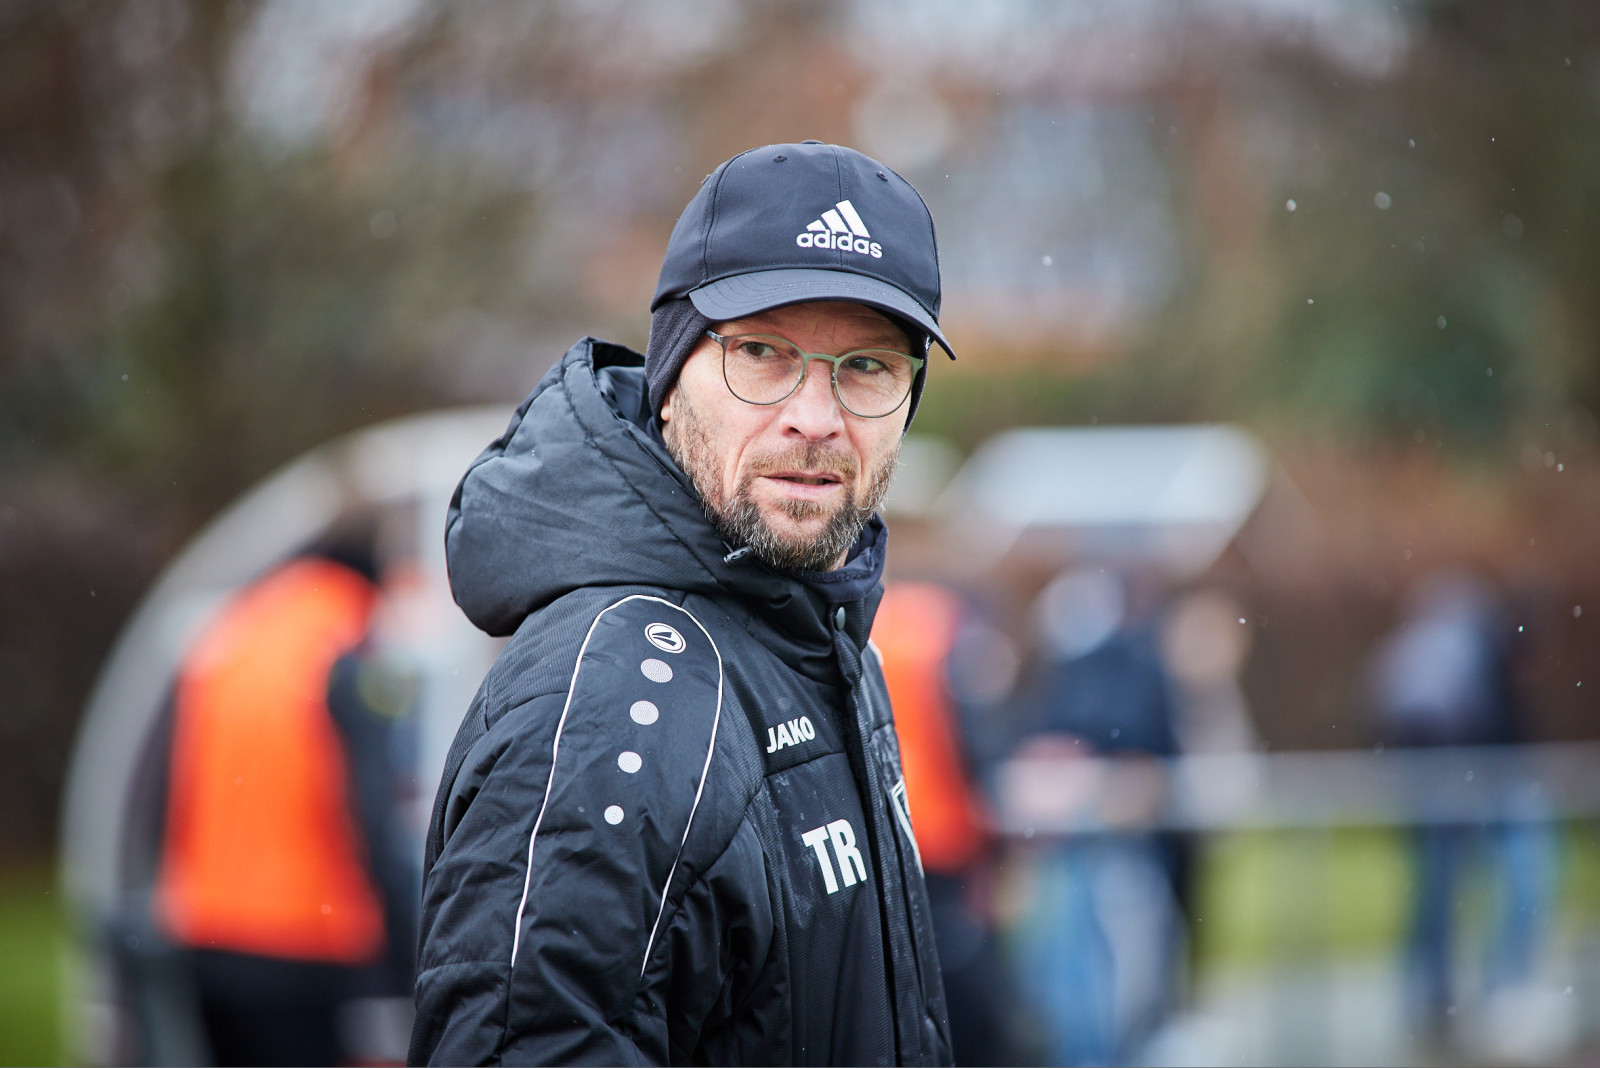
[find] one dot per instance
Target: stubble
(738, 519)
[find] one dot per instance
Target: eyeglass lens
(761, 369)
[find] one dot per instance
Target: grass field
(32, 949)
(1275, 896)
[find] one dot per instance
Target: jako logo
(664, 638)
(791, 733)
(840, 228)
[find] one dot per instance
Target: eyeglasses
(765, 369)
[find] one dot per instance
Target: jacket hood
(579, 492)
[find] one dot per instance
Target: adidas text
(842, 242)
(840, 227)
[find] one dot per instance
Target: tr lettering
(843, 837)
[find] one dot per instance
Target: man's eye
(865, 364)
(757, 350)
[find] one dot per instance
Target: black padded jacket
(672, 827)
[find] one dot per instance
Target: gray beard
(739, 522)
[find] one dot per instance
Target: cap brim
(758, 291)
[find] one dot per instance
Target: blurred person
(673, 825)
(1204, 644)
(1104, 679)
(266, 874)
(1099, 941)
(1445, 675)
(372, 699)
(930, 642)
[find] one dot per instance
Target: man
(672, 827)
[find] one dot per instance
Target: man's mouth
(811, 489)
(808, 480)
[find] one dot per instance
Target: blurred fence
(1327, 883)
(1301, 791)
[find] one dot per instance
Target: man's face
(796, 480)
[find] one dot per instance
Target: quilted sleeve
(547, 898)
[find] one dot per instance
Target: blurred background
(1254, 528)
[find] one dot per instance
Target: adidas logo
(840, 227)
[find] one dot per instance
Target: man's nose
(813, 410)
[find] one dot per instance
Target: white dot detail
(614, 814)
(656, 670)
(644, 713)
(630, 762)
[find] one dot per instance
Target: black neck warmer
(675, 329)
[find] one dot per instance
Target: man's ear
(666, 405)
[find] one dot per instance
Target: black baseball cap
(789, 223)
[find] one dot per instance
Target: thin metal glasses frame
(917, 363)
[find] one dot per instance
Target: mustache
(814, 456)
